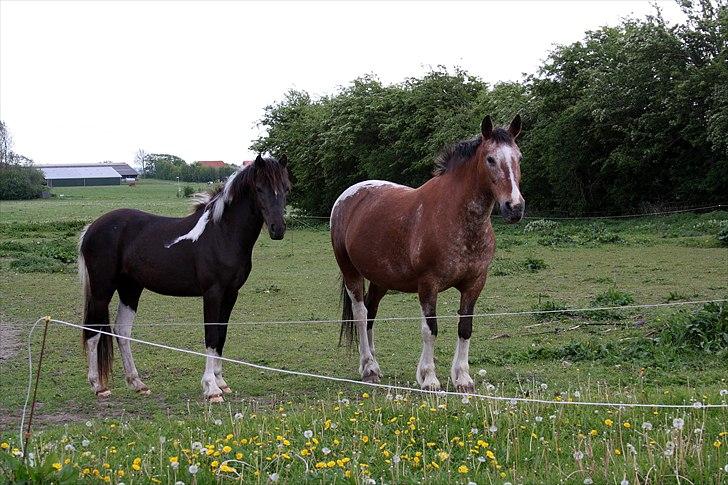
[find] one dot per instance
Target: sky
(85, 82)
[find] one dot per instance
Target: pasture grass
(546, 264)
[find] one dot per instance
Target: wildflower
(214, 464)
(725, 468)
(365, 395)
(308, 434)
(443, 455)
(577, 394)
(325, 450)
(4, 445)
(608, 422)
(724, 392)
(617, 451)
(493, 428)
(120, 473)
(483, 372)
(538, 419)
(365, 439)
(463, 469)
(89, 423)
(627, 424)
(178, 482)
(593, 432)
(197, 446)
(273, 477)
(238, 416)
(647, 426)
(226, 449)
(624, 482)
(588, 481)
(396, 459)
(69, 447)
(193, 469)
(474, 431)
(227, 469)
(544, 386)
(631, 449)
(678, 423)
(218, 422)
(717, 443)
(57, 466)
(331, 463)
(578, 455)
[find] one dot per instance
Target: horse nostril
(508, 205)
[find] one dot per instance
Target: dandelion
(481, 459)
(365, 395)
(4, 445)
(474, 431)
(678, 423)
(647, 426)
(238, 416)
(57, 466)
(466, 400)
(608, 423)
(717, 444)
(69, 447)
(396, 459)
(588, 481)
(578, 455)
(725, 468)
(538, 419)
(89, 423)
(463, 469)
(218, 422)
(697, 404)
(325, 450)
(626, 425)
(624, 482)
(493, 428)
(490, 387)
(724, 392)
(577, 394)
(483, 372)
(631, 449)
(308, 434)
(193, 469)
(544, 386)
(273, 477)
(226, 449)
(197, 446)
(179, 482)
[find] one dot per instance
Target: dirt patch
(10, 342)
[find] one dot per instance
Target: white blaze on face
(506, 155)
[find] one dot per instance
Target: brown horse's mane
(240, 181)
(457, 153)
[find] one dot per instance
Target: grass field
(620, 355)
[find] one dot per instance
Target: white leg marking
(195, 232)
(370, 338)
(92, 355)
(219, 379)
(122, 328)
(426, 376)
(209, 383)
(368, 366)
(460, 371)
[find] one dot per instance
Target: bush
(705, 329)
(723, 236)
(29, 263)
(187, 191)
(19, 182)
(541, 225)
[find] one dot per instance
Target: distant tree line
(170, 167)
(631, 116)
(18, 178)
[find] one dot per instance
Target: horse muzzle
(512, 213)
(277, 231)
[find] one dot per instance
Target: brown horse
(426, 240)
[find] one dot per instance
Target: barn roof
(123, 169)
(79, 172)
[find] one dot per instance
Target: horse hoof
(217, 398)
(144, 391)
(103, 394)
(371, 378)
(226, 389)
(466, 388)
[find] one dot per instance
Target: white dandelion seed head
(631, 448)
(577, 394)
(647, 426)
(85, 443)
(238, 416)
(588, 481)
(370, 481)
(325, 450)
(196, 446)
(466, 400)
(698, 431)
(624, 482)
(396, 459)
(724, 392)
(89, 423)
(544, 386)
(725, 468)
(273, 477)
(174, 465)
(493, 428)
(179, 482)
(513, 402)
(162, 440)
(578, 455)
(334, 425)
(69, 447)
(538, 419)
(482, 372)
(308, 434)
(668, 452)
(481, 459)
(697, 404)
(474, 431)
(193, 469)
(218, 422)
(389, 397)
(490, 387)
(678, 423)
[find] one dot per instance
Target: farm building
(87, 174)
(212, 163)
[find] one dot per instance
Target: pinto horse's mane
(238, 183)
(457, 153)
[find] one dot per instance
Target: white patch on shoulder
(225, 197)
(195, 232)
(357, 187)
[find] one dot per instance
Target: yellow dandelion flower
(320, 465)
(227, 469)
(435, 465)
(67, 461)
(593, 432)
(717, 443)
(617, 451)
(365, 395)
(490, 455)
(503, 474)
(106, 465)
(57, 466)
(229, 436)
(331, 463)
(365, 439)
(347, 473)
(174, 459)
(136, 467)
(443, 455)
(238, 456)
(626, 424)
(4, 445)
(608, 422)
(214, 464)
(226, 449)
(120, 473)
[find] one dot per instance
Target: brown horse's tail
(105, 347)
(348, 330)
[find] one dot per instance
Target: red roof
(212, 163)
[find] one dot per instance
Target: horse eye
(491, 160)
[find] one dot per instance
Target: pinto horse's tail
(105, 348)
(348, 330)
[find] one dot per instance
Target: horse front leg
(426, 376)
(460, 370)
(212, 304)
(227, 308)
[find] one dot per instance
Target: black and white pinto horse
(207, 253)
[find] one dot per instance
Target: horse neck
(465, 196)
(241, 221)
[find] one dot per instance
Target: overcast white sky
(92, 81)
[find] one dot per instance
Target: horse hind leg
(128, 301)
(371, 300)
(98, 347)
(368, 366)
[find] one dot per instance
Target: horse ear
(515, 127)
(486, 127)
(283, 160)
(258, 161)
